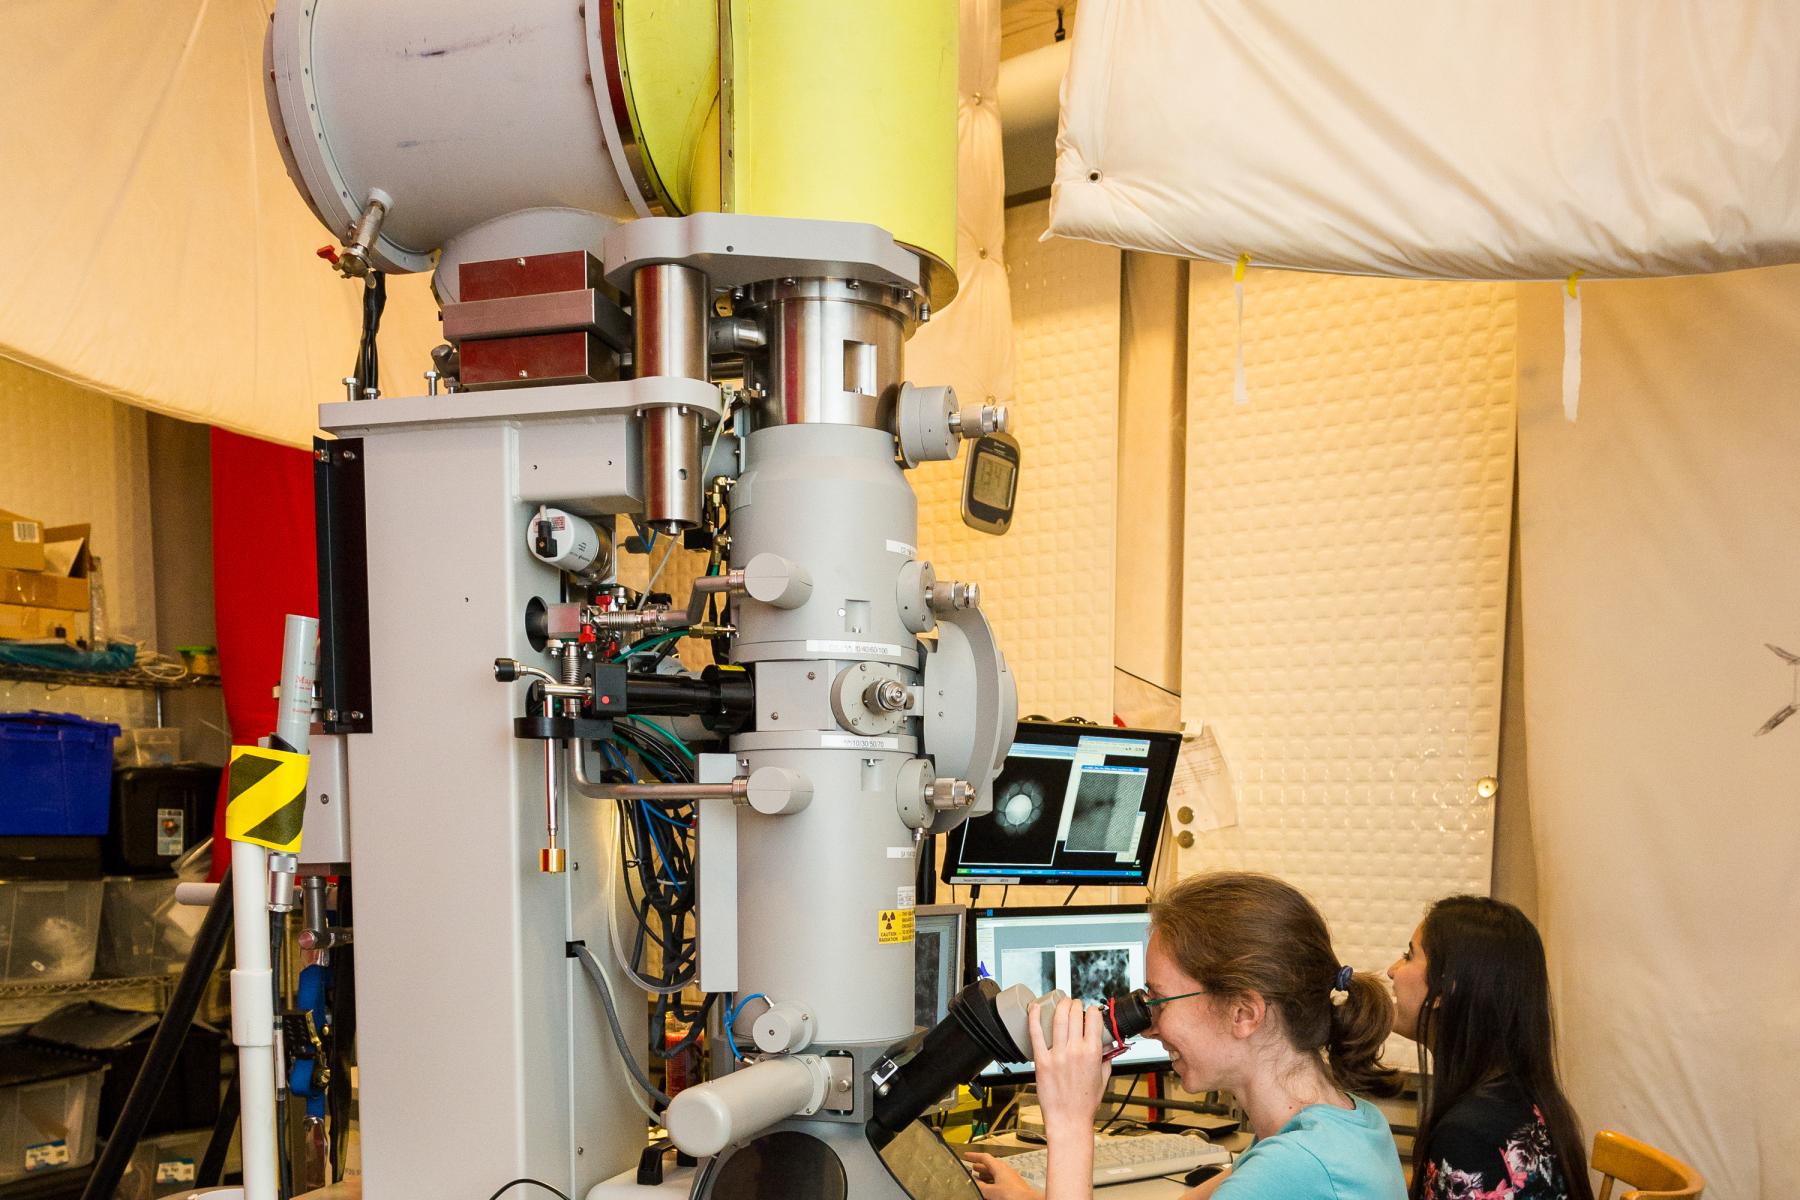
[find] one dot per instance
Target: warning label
(896, 925)
(265, 797)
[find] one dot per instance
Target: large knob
(777, 581)
(776, 791)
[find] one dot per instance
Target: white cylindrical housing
(824, 890)
(462, 111)
(709, 1116)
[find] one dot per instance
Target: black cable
(368, 358)
(1070, 896)
(343, 1032)
(533, 1182)
(1127, 1100)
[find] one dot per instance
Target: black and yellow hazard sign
(266, 797)
(896, 925)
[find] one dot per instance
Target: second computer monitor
(1073, 804)
(1090, 952)
(937, 960)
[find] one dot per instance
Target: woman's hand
(1071, 1075)
(998, 1181)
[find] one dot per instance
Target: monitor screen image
(1090, 953)
(1073, 804)
(937, 960)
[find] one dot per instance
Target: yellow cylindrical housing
(846, 111)
(837, 110)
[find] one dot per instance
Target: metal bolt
(523, 374)
(355, 715)
(811, 675)
(349, 456)
(774, 716)
(519, 261)
(322, 455)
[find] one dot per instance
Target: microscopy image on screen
(1021, 831)
(1099, 972)
(1106, 809)
(928, 949)
(1034, 968)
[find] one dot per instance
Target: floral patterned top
(1493, 1145)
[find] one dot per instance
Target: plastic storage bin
(163, 1166)
(158, 814)
(120, 1039)
(153, 747)
(55, 774)
(49, 1102)
(142, 930)
(49, 930)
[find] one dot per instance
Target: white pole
(253, 1017)
(252, 981)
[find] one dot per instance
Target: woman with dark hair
(1473, 989)
(1249, 996)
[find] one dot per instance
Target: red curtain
(263, 569)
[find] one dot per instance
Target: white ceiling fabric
(1457, 141)
(155, 248)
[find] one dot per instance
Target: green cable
(650, 642)
(673, 740)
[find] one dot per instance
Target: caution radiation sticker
(266, 797)
(896, 925)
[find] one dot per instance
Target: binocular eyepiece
(985, 1024)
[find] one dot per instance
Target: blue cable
(731, 1013)
(660, 815)
(611, 750)
(663, 854)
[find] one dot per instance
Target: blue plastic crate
(55, 774)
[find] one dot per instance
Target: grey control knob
(787, 1028)
(777, 791)
(777, 581)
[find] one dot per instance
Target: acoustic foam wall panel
(1346, 569)
(1047, 584)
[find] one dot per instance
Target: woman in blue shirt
(1249, 997)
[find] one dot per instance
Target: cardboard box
(24, 622)
(67, 560)
(40, 589)
(21, 542)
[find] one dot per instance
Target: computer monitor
(1090, 952)
(1073, 804)
(937, 960)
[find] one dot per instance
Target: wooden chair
(1651, 1174)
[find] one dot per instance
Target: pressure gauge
(991, 482)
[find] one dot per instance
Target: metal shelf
(110, 679)
(161, 984)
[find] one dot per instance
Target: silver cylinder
(834, 352)
(669, 309)
(672, 469)
(670, 313)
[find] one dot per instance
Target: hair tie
(1340, 988)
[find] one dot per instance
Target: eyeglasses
(1155, 1000)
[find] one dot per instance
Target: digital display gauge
(991, 482)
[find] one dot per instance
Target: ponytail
(1359, 1030)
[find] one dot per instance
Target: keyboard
(1123, 1159)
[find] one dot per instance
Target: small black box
(158, 814)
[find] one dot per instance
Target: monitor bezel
(1072, 734)
(990, 1078)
